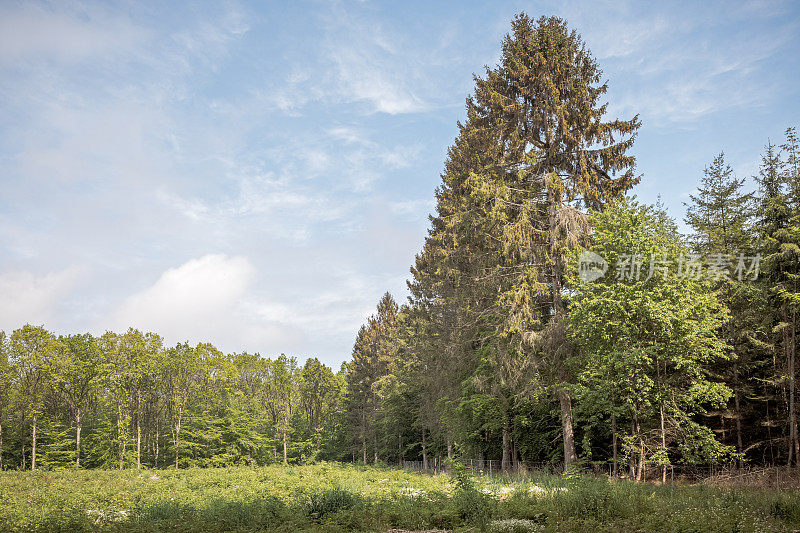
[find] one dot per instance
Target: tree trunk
(119, 435)
(739, 446)
(424, 451)
(638, 435)
(22, 437)
(566, 427)
(33, 443)
(364, 449)
(449, 448)
(178, 435)
(787, 352)
(400, 449)
(663, 445)
(505, 463)
(138, 429)
(793, 440)
(632, 456)
(769, 425)
(157, 435)
(558, 314)
(614, 465)
(78, 427)
(285, 448)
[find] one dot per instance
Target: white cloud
(196, 300)
(28, 298)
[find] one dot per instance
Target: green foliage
(646, 344)
(329, 497)
(472, 505)
(331, 501)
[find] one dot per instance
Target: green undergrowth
(332, 497)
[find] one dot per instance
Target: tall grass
(330, 497)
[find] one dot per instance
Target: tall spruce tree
(371, 362)
(780, 239)
(720, 214)
(547, 149)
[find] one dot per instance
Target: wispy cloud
(675, 67)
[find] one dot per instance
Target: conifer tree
(507, 210)
(372, 354)
(720, 214)
(780, 246)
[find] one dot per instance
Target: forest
(553, 319)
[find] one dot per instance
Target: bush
(227, 515)
(471, 504)
(331, 501)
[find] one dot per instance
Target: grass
(332, 497)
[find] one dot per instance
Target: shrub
(471, 504)
(331, 501)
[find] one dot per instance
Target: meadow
(335, 497)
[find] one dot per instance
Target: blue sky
(258, 174)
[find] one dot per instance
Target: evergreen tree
(507, 210)
(720, 214)
(370, 362)
(780, 237)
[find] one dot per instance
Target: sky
(257, 175)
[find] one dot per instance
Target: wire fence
(763, 476)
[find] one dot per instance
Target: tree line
(125, 400)
(682, 351)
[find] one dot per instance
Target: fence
(488, 466)
(778, 477)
